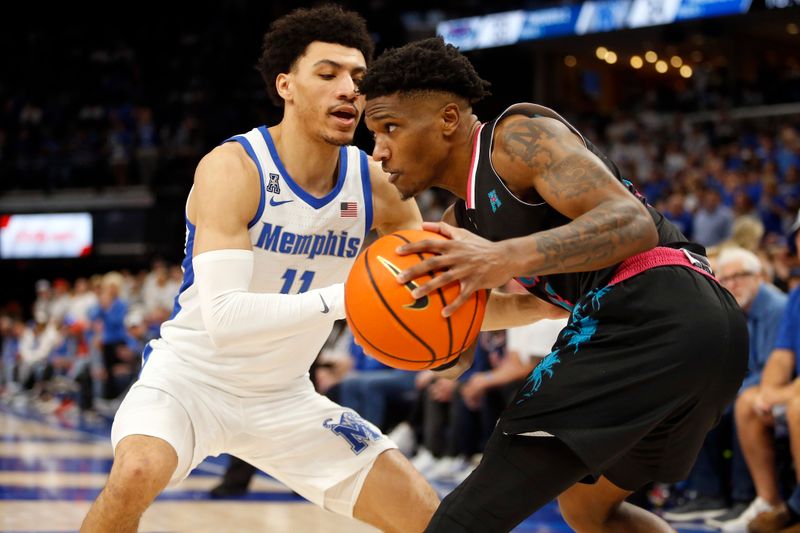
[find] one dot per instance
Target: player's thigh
(309, 443)
(158, 414)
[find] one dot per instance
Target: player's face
(407, 141)
(321, 88)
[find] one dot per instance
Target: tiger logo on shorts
(354, 429)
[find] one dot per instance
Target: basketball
(393, 327)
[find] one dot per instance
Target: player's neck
(312, 163)
(456, 174)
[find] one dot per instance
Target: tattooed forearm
(600, 238)
(523, 140)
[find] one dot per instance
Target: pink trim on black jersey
(473, 168)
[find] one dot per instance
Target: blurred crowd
(81, 348)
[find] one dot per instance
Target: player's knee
(142, 466)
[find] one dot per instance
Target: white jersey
(300, 242)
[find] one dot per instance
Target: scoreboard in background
(591, 16)
(45, 235)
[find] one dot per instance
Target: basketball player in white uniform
(274, 222)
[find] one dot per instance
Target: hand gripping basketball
(394, 327)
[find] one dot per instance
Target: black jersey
(492, 211)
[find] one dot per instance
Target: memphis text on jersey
(277, 239)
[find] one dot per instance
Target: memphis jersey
(300, 242)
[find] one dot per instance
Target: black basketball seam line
(391, 311)
(471, 322)
(441, 297)
(353, 326)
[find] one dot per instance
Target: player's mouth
(393, 174)
(345, 115)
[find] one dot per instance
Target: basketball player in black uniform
(654, 348)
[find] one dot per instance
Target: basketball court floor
(52, 468)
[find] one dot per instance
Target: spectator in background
(713, 221)
(108, 320)
(83, 300)
(36, 343)
(59, 306)
(759, 409)
(11, 330)
(44, 297)
(747, 232)
(740, 271)
(677, 213)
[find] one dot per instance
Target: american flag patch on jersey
(348, 209)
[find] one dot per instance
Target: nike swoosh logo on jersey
(273, 203)
(325, 307)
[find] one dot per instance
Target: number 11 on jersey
(288, 280)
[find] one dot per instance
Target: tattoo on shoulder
(565, 176)
(573, 176)
(523, 140)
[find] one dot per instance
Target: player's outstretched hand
(476, 263)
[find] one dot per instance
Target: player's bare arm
(608, 223)
(224, 199)
(391, 213)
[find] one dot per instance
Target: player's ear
(450, 118)
(284, 86)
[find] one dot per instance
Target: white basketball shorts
(296, 435)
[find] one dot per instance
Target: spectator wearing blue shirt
(713, 222)
(108, 321)
(740, 271)
(757, 410)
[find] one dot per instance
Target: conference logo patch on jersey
(494, 201)
(353, 429)
(274, 185)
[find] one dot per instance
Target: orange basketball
(390, 324)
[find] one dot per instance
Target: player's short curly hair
(289, 36)
(426, 65)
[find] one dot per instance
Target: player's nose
(347, 88)
(380, 152)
